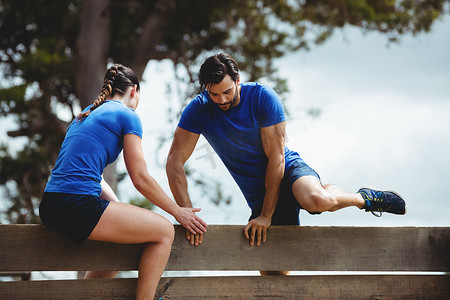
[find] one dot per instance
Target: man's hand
(257, 227)
(194, 239)
(188, 219)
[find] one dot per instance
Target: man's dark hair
(216, 67)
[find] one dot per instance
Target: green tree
(53, 55)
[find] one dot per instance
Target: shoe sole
(390, 191)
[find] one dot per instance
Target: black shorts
(287, 209)
(74, 215)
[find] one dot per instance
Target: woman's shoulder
(119, 108)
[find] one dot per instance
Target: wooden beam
(236, 287)
(317, 249)
(306, 287)
(37, 248)
(99, 289)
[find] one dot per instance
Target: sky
(383, 122)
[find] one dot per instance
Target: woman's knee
(166, 232)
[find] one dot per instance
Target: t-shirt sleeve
(190, 119)
(271, 110)
(132, 123)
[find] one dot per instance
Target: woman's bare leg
(125, 223)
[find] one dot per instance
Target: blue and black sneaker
(378, 202)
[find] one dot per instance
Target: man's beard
(233, 102)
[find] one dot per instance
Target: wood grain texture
(37, 248)
(406, 287)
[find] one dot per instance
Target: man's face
(226, 93)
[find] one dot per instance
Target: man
(245, 124)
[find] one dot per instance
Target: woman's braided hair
(117, 79)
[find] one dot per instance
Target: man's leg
(313, 197)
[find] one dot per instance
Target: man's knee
(319, 202)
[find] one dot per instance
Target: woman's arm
(150, 189)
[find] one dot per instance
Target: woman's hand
(188, 219)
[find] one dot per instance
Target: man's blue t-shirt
(235, 135)
(89, 146)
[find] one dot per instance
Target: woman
(78, 202)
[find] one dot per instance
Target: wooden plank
(38, 248)
(99, 289)
(318, 249)
(235, 287)
(35, 247)
(306, 287)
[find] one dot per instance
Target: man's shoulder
(195, 111)
(201, 100)
(255, 88)
(251, 86)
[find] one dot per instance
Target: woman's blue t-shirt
(235, 135)
(89, 146)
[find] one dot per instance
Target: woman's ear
(133, 91)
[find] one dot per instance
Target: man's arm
(273, 140)
(183, 145)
